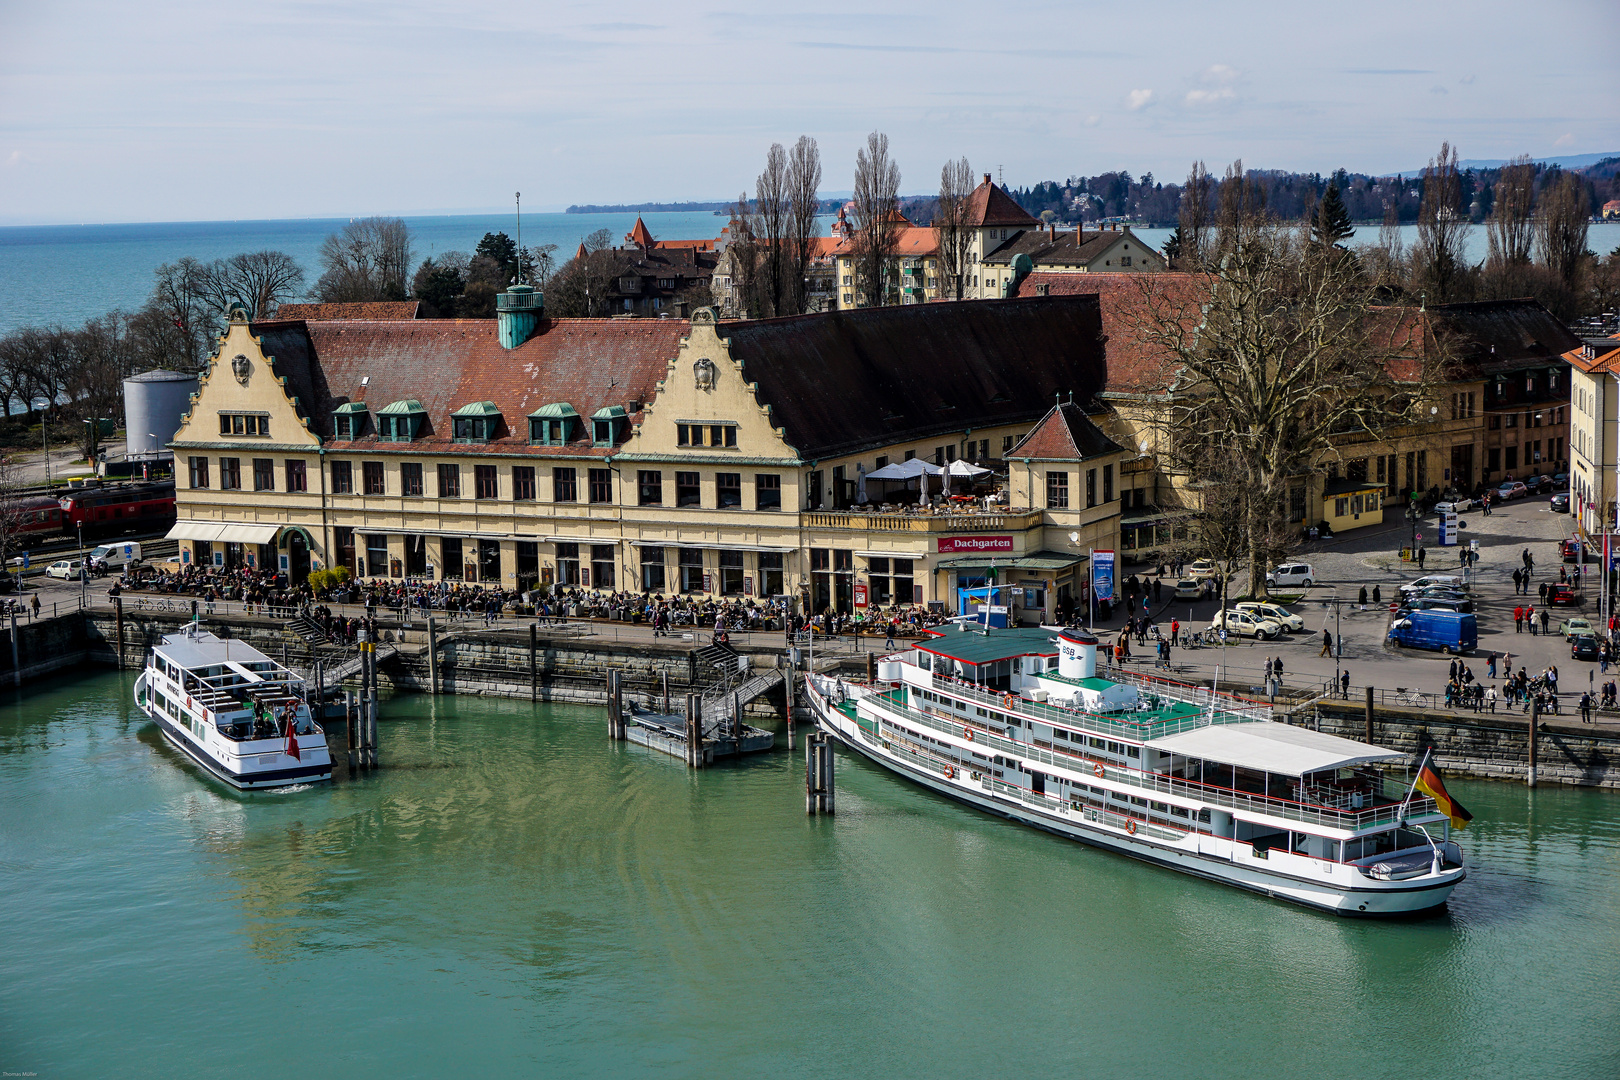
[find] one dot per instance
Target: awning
(223, 532)
(710, 545)
(249, 534)
(1273, 748)
(194, 530)
(1039, 560)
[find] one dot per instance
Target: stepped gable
(1065, 433)
(370, 309)
(988, 205)
(448, 363)
(843, 381)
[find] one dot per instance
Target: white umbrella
(961, 467)
(905, 470)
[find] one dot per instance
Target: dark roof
(1494, 337)
(450, 363)
(1334, 488)
(1125, 301)
(989, 205)
(1062, 249)
(1065, 433)
(371, 309)
(844, 381)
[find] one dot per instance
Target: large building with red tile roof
(1594, 447)
(370, 309)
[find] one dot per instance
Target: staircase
(719, 699)
(307, 629)
(721, 658)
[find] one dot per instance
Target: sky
(182, 110)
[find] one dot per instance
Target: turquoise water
(513, 895)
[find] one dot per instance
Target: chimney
(987, 178)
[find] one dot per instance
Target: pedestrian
(1529, 563)
(1544, 620)
(1586, 708)
(1378, 596)
(1327, 642)
(1422, 554)
(1542, 592)
(1452, 671)
(1490, 665)
(1518, 616)
(1175, 632)
(1158, 589)
(1530, 618)
(1462, 556)
(1490, 698)
(35, 605)
(1276, 664)
(1344, 685)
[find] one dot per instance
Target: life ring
(1008, 700)
(1098, 769)
(1130, 827)
(950, 773)
(967, 733)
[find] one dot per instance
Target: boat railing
(1208, 794)
(1116, 726)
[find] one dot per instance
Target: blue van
(1448, 631)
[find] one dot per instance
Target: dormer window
(553, 425)
(475, 423)
(349, 421)
(607, 424)
(1552, 379)
(401, 421)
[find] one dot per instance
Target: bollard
(1369, 737)
(1535, 723)
(433, 656)
(615, 704)
(371, 726)
(787, 700)
(534, 664)
(736, 718)
(818, 774)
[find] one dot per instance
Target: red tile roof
(1127, 302)
(448, 363)
(1065, 433)
(988, 205)
(373, 309)
(639, 234)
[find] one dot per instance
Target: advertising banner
(956, 545)
(1102, 574)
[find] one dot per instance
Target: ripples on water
(512, 892)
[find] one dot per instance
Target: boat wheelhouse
(233, 710)
(1018, 723)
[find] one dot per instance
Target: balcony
(943, 521)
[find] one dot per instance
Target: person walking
(1158, 589)
(1518, 614)
(1378, 595)
(1490, 698)
(1422, 554)
(1344, 685)
(1586, 708)
(1544, 621)
(1529, 563)
(1276, 664)
(1541, 591)
(1327, 642)
(1530, 618)
(1490, 665)
(1175, 632)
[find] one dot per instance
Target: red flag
(292, 734)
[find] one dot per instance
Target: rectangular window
(449, 481)
(691, 570)
(297, 477)
(1091, 488)
(523, 483)
(688, 434)
(230, 473)
(728, 489)
(731, 573)
(812, 491)
(1511, 455)
(652, 569)
(767, 493)
(199, 472)
(376, 555)
(1108, 484)
(688, 490)
(343, 540)
(450, 548)
(601, 485)
(649, 487)
(410, 479)
(603, 556)
(770, 573)
(342, 478)
(1057, 491)
(485, 484)
(567, 564)
(564, 488)
(371, 475)
(1006, 444)
(1493, 459)
(264, 474)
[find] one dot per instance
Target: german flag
(1429, 782)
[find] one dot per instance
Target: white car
(1279, 615)
(1246, 624)
(1449, 581)
(66, 569)
(1203, 568)
(1457, 507)
(1300, 575)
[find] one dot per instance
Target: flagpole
(1401, 818)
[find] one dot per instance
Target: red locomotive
(118, 508)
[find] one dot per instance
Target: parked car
(1298, 575)
(1560, 503)
(1189, 589)
(114, 556)
(1203, 568)
(1584, 647)
(1463, 601)
(1563, 596)
(1447, 631)
(1512, 489)
(1574, 627)
(1279, 615)
(1456, 505)
(1246, 624)
(1573, 551)
(1436, 603)
(65, 569)
(1450, 581)
(1560, 481)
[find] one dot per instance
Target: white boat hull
(1315, 883)
(245, 765)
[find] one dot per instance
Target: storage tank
(154, 404)
(1077, 654)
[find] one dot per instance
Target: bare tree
(1510, 226)
(579, 287)
(1242, 214)
(179, 296)
(12, 515)
(804, 200)
(1282, 354)
(368, 259)
(102, 357)
(876, 224)
(1442, 230)
(1197, 216)
(1561, 228)
(772, 210)
(951, 231)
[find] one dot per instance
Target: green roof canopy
(402, 408)
(974, 647)
(478, 408)
(351, 407)
(608, 412)
(557, 410)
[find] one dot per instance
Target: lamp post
(84, 571)
(44, 443)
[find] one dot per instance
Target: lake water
(68, 273)
(513, 895)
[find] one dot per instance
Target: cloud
(1388, 71)
(1566, 139)
(1093, 120)
(1217, 86)
(1467, 80)
(1438, 90)
(1139, 99)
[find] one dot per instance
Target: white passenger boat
(1017, 723)
(233, 710)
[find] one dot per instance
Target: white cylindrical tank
(1077, 654)
(154, 404)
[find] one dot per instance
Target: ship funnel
(1077, 654)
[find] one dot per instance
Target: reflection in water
(511, 889)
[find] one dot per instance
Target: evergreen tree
(499, 246)
(1331, 222)
(1172, 247)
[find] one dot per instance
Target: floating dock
(669, 733)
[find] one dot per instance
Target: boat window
(1133, 751)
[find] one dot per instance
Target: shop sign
(955, 545)
(860, 594)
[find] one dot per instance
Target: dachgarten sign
(949, 545)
